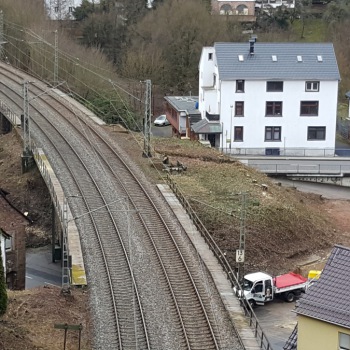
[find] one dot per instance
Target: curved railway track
(149, 288)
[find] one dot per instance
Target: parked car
(161, 121)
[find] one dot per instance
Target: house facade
(63, 9)
(4, 244)
(13, 244)
(271, 98)
(182, 112)
(324, 311)
(245, 9)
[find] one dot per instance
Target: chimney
(251, 47)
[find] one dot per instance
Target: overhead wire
(73, 60)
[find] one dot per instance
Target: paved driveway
(277, 320)
(40, 270)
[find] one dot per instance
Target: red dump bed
(288, 280)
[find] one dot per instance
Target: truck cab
(258, 288)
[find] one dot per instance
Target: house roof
(292, 61)
(4, 233)
(204, 126)
(328, 298)
(184, 103)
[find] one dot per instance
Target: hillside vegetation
(282, 225)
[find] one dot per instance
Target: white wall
(63, 6)
(2, 247)
(294, 127)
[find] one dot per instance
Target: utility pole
(147, 120)
(27, 154)
(240, 252)
(1, 34)
(55, 68)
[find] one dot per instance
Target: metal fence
(343, 128)
(283, 152)
(309, 169)
(246, 307)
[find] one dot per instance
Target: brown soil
(29, 321)
(283, 226)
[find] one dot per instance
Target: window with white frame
(210, 56)
(8, 244)
(70, 9)
(56, 8)
(344, 341)
(312, 86)
(273, 133)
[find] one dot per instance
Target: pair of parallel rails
(119, 220)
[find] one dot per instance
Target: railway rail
(149, 288)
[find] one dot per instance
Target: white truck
(259, 287)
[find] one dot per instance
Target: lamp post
(231, 128)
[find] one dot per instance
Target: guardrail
(311, 169)
(7, 112)
(281, 151)
(236, 287)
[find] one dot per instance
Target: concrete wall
(318, 335)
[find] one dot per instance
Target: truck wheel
(290, 297)
(251, 302)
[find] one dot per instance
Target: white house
(270, 98)
(5, 241)
(63, 9)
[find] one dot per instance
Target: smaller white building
(270, 98)
(63, 9)
(5, 244)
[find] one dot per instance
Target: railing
(309, 169)
(7, 112)
(284, 152)
(236, 287)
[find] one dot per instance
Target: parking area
(161, 131)
(277, 320)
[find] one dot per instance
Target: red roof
(288, 280)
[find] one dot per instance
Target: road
(277, 320)
(161, 131)
(325, 190)
(40, 270)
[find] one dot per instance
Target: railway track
(149, 288)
